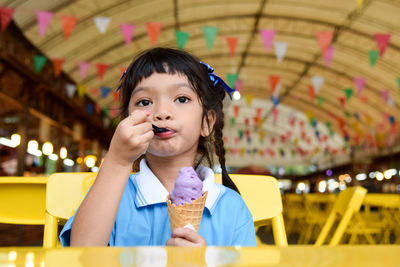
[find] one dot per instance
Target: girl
(170, 89)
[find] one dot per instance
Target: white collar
(151, 191)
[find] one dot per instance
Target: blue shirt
(142, 218)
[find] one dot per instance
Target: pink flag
(238, 85)
(359, 82)
(267, 37)
(127, 31)
(385, 95)
(328, 56)
(43, 18)
(382, 40)
(83, 69)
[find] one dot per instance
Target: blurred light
(379, 176)
(280, 184)
(47, 148)
(33, 145)
(342, 186)
(301, 186)
(281, 171)
(68, 162)
(361, 176)
(348, 179)
(389, 173)
(12, 255)
(329, 173)
(36, 152)
(90, 161)
(79, 160)
(63, 152)
(236, 95)
(322, 186)
(14, 141)
(53, 157)
(95, 169)
(372, 175)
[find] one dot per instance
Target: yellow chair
(346, 205)
(263, 198)
(293, 213)
(22, 200)
(65, 192)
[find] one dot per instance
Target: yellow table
(379, 255)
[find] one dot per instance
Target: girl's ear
(208, 125)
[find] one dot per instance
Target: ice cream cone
(181, 215)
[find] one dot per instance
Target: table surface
(346, 255)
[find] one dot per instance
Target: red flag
(5, 16)
(101, 70)
(273, 82)
(342, 100)
(246, 121)
(68, 24)
(382, 40)
(232, 44)
(57, 64)
(95, 92)
(324, 40)
(236, 111)
(122, 70)
(311, 92)
(116, 96)
(258, 112)
(153, 31)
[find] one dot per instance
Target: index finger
(137, 116)
(187, 234)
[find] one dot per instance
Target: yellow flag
(360, 3)
(242, 152)
(309, 115)
(249, 99)
(261, 134)
(81, 90)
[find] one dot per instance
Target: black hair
(172, 61)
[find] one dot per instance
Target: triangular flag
(328, 56)
(95, 92)
(277, 90)
(232, 44)
(373, 56)
(57, 63)
(90, 108)
(317, 82)
(360, 3)
(236, 111)
(68, 24)
(127, 32)
(153, 31)
(275, 100)
(280, 50)
(382, 40)
(83, 69)
(359, 82)
(349, 93)
(267, 36)
(181, 38)
(320, 100)
(249, 99)
(116, 96)
(238, 85)
(364, 99)
(273, 82)
(122, 70)
(385, 95)
(342, 100)
(5, 16)
(231, 78)
(105, 91)
(324, 40)
(102, 23)
(39, 62)
(81, 90)
(275, 113)
(209, 34)
(43, 18)
(101, 70)
(398, 83)
(311, 92)
(71, 88)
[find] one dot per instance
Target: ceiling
(359, 128)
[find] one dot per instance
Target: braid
(220, 151)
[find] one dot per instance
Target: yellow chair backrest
(22, 200)
(65, 192)
(346, 205)
(263, 198)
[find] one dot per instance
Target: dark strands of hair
(171, 61)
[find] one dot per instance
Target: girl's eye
(143, 103)
(182, 99)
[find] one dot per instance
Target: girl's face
(174, 105)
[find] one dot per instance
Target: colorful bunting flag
(317, 82)
(209, 34)
(57, 64)
(101, 70)
(127, 32)
(6, 14)
(105, 91)
(360, 3)
(311, 92)
(102, 23)
(39, 62)
(385, 95)
(324, 40)
(249, 99)
(71, 88)
(95, 92)
(373, 56)
(83, 69)
(267, 36)
(382, 40)
(359, 82)
(122, 70)
(90, 108)
(153, 31)
(231, 79)
(238, 85)
(342, 101)
(43, 18)
(320, 100)
(349, 93)
(68, 24)
(398, 83)
(280, 50)
(364, 99)
(236, 111)
(273, 82)
(81, 90)
(232, 44)
(275, 100)
(181, 38)
(328, 56)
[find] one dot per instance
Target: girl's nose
(162, 113)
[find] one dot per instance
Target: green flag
(320, 100)
(398, 83)
(241, 134)
(106, 111)
(39, 62)
(373, 56)
(231, 78)
(349, 93)
(347, 114)
(210, 33)
(181, 38)
(233, 121)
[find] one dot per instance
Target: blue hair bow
(120, 79)
(216, 79)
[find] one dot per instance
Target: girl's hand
(186, 237)
(131, 138)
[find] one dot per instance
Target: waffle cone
(191, 213)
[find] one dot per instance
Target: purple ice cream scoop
(188, 187)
